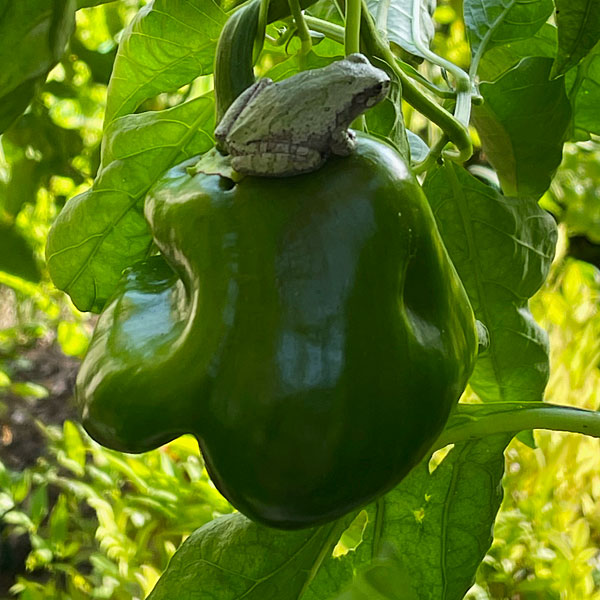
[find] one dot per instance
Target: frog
(292, 126)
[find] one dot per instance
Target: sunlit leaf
(494, 22)
(167, 45)
(276, 565)
(102, 231)
(40, 30)
(72, 338)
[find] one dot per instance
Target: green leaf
(16, 255)
(583, 85)
(28, 389)
(578, 23)
(502, 248)
(495, 22)
(38, 507)
(523, 124)
(167, 45)
(385, 120)
(398, 23)
(39, 29)
(74, 445)
(418, 148)
(384, 579)
(233, 557)
(58, 521)
(72, 338)
(102, 231)
(438, 525)
(502, 58)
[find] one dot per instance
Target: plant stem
(352, 36)
(336, 33)
(434, 153)
(302, 30)
(462, 110)
(517, 417)
(454, 129)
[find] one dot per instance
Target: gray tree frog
(292, 126)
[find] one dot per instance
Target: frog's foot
(343, 142)
(278, 160)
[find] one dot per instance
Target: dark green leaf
(522, 124)
(16, 255)
(102, 231)
(502, 58)
(386, 121)
(38, 508)
(39, 29)
(578, 23)
(59, 520)
(502, 248)
(232, 558)
(167, 45)
(385, 579)
(583, 85)
(495, 22)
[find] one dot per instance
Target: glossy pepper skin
(311, 332)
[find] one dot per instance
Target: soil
(21, 442)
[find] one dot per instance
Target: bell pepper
(311, 332)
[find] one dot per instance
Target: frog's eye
(382, 87)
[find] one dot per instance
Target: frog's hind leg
(279, 162)
(237, 106)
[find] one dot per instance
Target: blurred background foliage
(79, 521)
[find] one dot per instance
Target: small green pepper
(311, 332)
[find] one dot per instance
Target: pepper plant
(531, 86)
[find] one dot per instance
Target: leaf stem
(472, 421)
(456, 131)
(432, 156)
(462, 111)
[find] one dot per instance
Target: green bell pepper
(311, 332)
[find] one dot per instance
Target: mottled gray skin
(292, 126)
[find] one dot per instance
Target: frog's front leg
(233, 112)
(343, 142)
(277, 160)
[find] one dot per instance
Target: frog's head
(367, 84)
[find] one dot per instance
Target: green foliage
(40, 30)
(523, 124)
(102, 524)
(578, 23)
(480, 227)
(499, 22)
